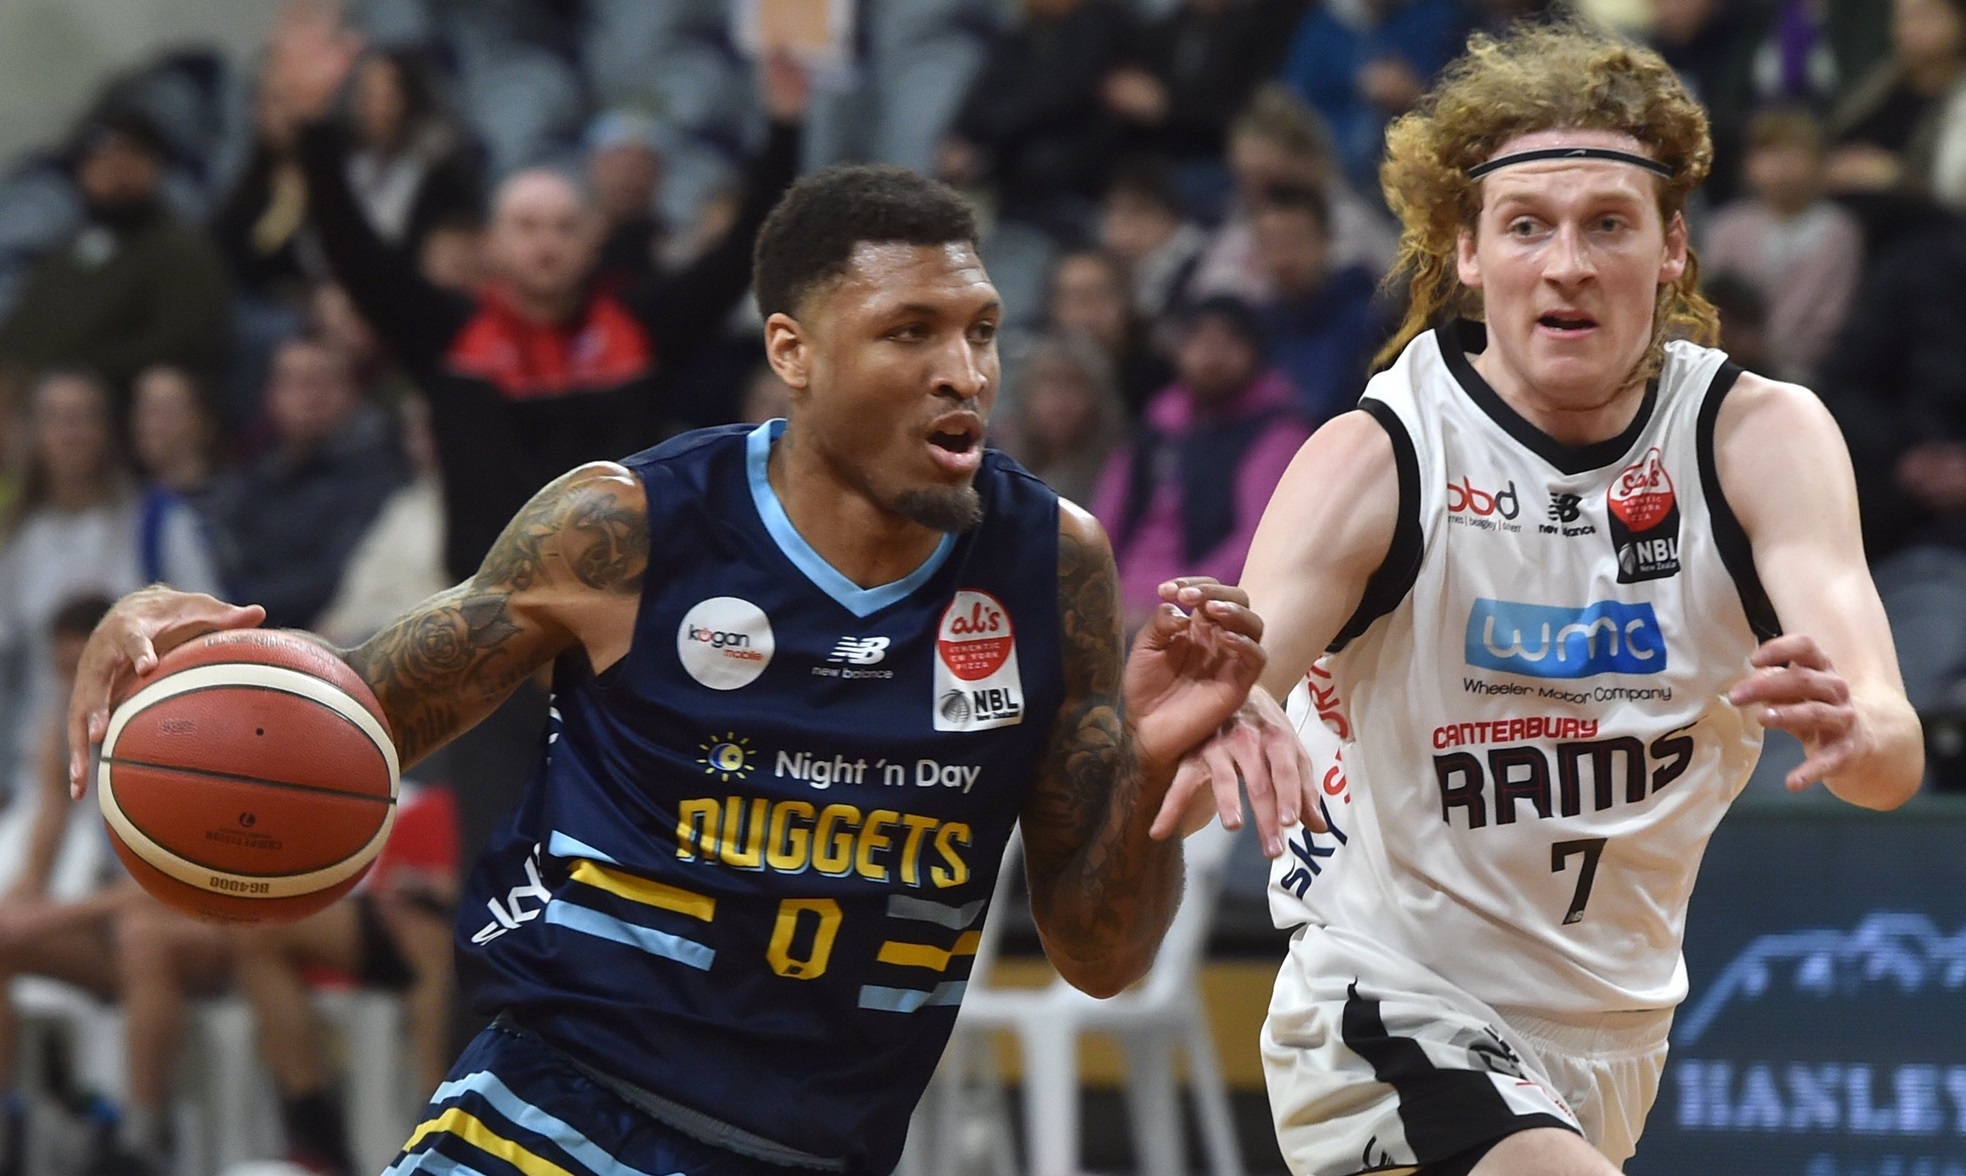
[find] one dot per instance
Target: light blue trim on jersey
(861, 602)
(562, 913)
(435, 1163)
(562, 846)
(520, 1113)
(902, 906)
(907, 1000)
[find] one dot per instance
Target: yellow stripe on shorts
(921, 955)
(644, 891)
(472, 1130)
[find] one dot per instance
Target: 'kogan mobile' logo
(1644, 515)
(725, 642)
(1541, 641)
(977, 686)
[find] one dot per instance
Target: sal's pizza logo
(1644, 520)
(976, 682)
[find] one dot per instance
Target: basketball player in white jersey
(1556, 576)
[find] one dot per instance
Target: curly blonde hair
(1557, 75)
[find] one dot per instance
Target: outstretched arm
(1102, 891)
(1327, 530)
(1832, 678)
(567, 570)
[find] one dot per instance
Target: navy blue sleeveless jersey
(749, 872)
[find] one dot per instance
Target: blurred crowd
(305, 330)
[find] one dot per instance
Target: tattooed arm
(567, 570)
(560, 573)
(1102, 891)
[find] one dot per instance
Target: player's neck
(862, 541)
(1569, 417)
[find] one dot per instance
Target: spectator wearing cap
(134, 285)
(1321, 320)
(624, 169)
(1184, 497)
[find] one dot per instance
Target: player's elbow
(1888, 789)
(1107, 970)
(1891, 777)
(1103, 978)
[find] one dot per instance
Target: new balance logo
(859, 651)
(1566, 508)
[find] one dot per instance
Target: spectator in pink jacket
(1184, 497)
(1802, 252)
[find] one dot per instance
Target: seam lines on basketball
(256, 689)
(236, 778)
(245, 886)
(278, 679)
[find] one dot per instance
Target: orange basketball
(248, 778)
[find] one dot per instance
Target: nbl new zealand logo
(1644, 520)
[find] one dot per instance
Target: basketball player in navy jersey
(806, 678)
(1535, 603)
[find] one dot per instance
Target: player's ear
(1465, 265)
(788, 351)
(1674, 263)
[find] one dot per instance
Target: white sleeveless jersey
(1524, 745)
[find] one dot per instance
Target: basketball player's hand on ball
(141, 628)
(1794, 688)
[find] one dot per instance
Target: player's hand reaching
(1794, 688)
(1258, 751)
(1191, 666)
(141, 628)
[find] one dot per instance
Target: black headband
(1652, 165)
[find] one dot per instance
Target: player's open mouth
(957, 447)
(1566, 322)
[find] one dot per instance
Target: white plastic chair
(94, 1029)
(238, 1094)
(1152, 1020)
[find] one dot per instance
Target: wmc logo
(1608, 637)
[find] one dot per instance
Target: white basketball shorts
(1376, 1063)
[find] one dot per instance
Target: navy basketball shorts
(513, 1106)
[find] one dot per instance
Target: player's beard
(954, 509)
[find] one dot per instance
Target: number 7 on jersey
(1560, 854)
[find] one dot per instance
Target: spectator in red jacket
(545, 368)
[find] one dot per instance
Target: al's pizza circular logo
(1642, 494)
(974, 639)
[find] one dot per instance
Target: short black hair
(809, 239)
(1305, 197)
(78, 616)
(1232, 312)
(1148, 178)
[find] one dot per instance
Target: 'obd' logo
(1540, 641)
(725, 642)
